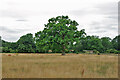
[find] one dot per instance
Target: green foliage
(112, 51)
(117, 52)
(116, 42)
(107, 44)
(5, 49)
(11, 50)
(77, 53)
(59, 33)
(96, 52)
(89, 43)
(0, 42)
(26, 44)
(1, 49)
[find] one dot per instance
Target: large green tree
(59, 32)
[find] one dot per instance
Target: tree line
(60, 35)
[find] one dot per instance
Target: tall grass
(57, 66)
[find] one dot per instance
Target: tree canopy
(26, 43)
(59, 32)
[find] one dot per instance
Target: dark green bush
(5, 49)
(96, 52)
(112, 51)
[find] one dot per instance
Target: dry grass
(0, 66)
(57, 66)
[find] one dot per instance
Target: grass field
(57, 66)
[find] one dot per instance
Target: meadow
(58, 66)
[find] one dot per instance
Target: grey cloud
(12, 34)
(10, 13)
(21, 13)
(22, 20)
(8, 30)
(80, 12)
(113, 17)
(10, 38)
(110, 8)
(98, 31)
(102, 25)
(4, 29)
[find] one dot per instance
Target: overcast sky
(19, 17)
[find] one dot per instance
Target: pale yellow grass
(0, 66)
(57, 66)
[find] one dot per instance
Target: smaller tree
(111, 51)
(106, 42)
(5, 49)
(26, 43)
(116, 42)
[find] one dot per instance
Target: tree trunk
(63, 46)
(63, 52)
